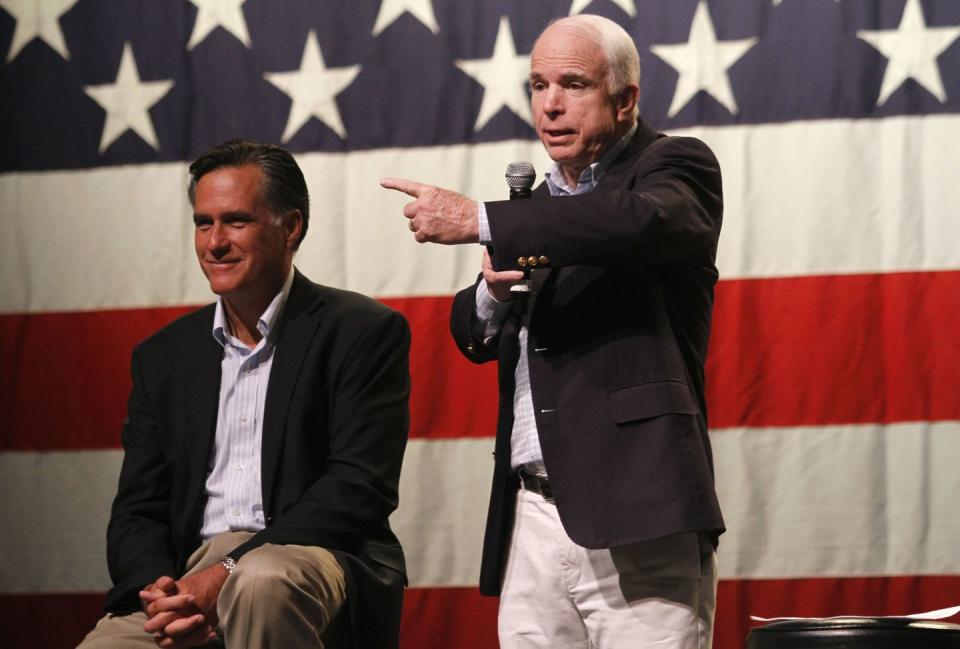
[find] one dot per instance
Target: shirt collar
(590, 176)
(266, 323)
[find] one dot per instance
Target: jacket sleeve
(139, 539)
(473, 338)
(668, 209)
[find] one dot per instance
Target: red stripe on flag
(459, 618)
(835, 350)
(448, 618)
(49, 621)
(797, 351)
(66, 376)
(451, 397)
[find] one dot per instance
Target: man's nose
(218, 242)
(553, 101)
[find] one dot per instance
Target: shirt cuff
(484, 224)
(485, 302)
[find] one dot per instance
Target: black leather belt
(538, 484)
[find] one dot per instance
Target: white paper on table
(939, 614)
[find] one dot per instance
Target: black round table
(855, 633)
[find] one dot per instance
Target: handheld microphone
(520, 176)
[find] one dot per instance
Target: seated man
(263, 441)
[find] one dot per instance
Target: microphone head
(520, 175)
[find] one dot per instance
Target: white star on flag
(628, 6)
(702, 62)
(912, 50)
(219, 13)
(503, 77)
(390, 10)
(37, 19)
(127, 102)
(313, 89)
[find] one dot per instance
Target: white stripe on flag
(802, 198)
(864, 500)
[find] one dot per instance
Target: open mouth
(558, 135)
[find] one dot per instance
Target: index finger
(408, 187)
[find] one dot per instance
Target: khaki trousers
(278, 596)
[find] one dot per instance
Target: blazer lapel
(297, 327)
(202, 389)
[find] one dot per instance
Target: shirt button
(236, 513)
(243, 419)
(239, 467)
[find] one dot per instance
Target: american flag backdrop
(834, 367)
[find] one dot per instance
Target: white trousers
(659, 593)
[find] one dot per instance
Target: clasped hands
(183, 613)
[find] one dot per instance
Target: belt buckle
(537, 484)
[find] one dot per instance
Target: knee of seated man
(274, 570)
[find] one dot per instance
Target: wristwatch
(229, 563)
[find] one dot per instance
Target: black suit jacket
(334, 433)
(618, 332)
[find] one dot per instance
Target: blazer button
(531, 261)
(471, 348)
(544, 260)
(522, 261)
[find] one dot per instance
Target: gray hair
(623, 60)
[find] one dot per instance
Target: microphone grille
(520, 175)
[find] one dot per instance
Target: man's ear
(293, 226)
(627, 98)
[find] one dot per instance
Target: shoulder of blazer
(325, 303)
(650, 148)
(640, 150)
(186, 330)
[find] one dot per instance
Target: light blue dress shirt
(233, 487)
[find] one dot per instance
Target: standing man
(603, 519)
(263, 441)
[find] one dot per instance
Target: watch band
(229, 563)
